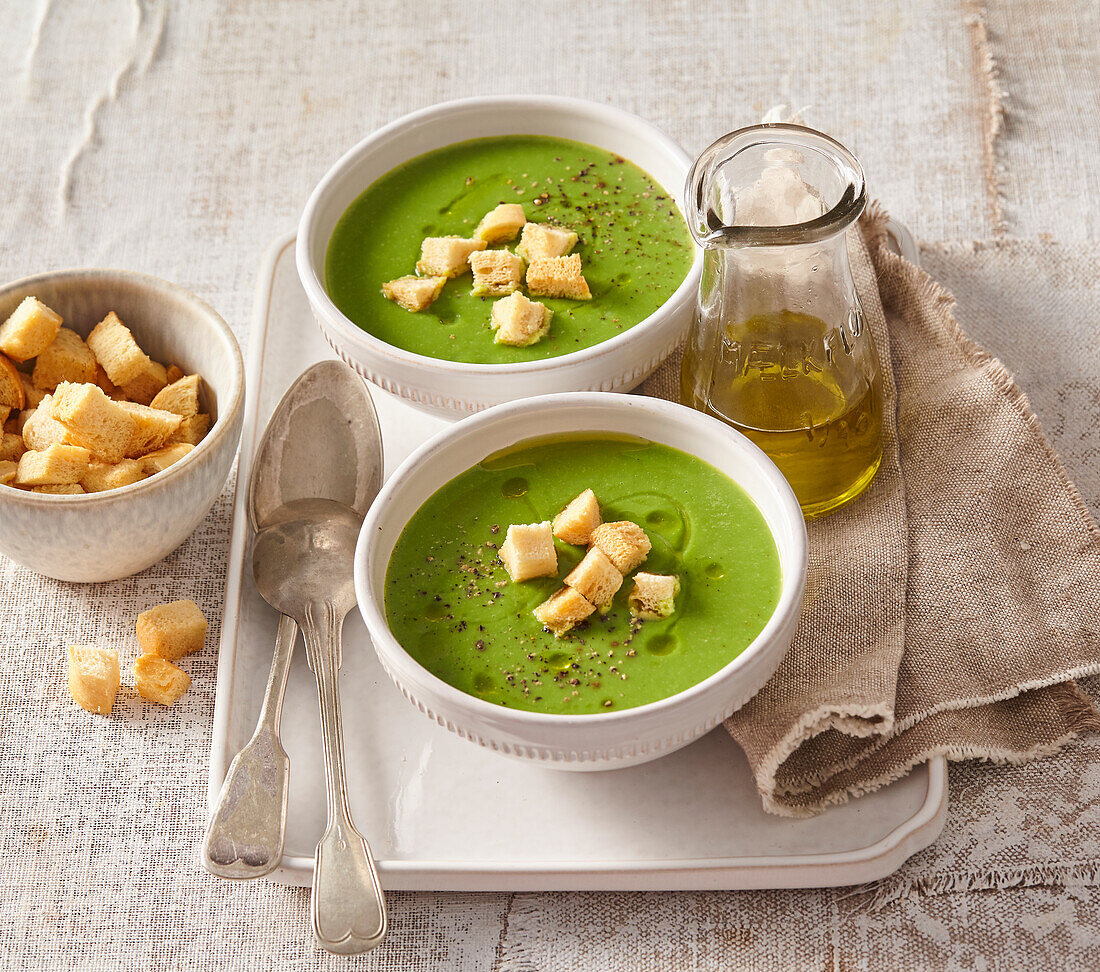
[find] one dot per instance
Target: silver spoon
(303, 568)
(323, 440)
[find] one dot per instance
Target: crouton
(94, 421)
(158, 680)
(413, 293)
(29, 331)
(32, 392)
(161, 459)
(558, 277)
(12, 446)
(541, 242)
(116, 350)
(446, 256)
(101, 476)
(596, 578)
(563, 611)
(576, 522)
(528, 551)
(172, 630)
(12, 392)
(174, 374)
(496, 273)
(180, 398)
(67, 358)
(57, 464)
(59, 489)
(625, 544)
(519, 321)
(152, 428)
(7, 472)
(145, 387)
(93, 677)
(501, 224)
(5, 414)
(41, 430)
(654, 595)
(191, 430)
(110, 389)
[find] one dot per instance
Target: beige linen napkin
(949, 609)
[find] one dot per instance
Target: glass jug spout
(779, 348)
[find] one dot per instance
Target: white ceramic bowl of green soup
(459, 639)
(607, 175)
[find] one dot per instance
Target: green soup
(450, 604)
(634, 243)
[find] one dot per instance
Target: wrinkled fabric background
(179, 138)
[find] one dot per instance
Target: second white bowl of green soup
(490, 249)
(587, 581)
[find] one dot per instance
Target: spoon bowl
(304, 557)
(323, 441)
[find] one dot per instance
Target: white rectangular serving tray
(442, 814)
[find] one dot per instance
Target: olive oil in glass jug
(780, 349)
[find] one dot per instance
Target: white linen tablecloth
(178, 138)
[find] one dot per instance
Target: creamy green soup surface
(450, 603)
(634, 244)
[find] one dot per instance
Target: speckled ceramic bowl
(455, 387)
(604, 740)
(103, 536)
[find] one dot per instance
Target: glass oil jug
(780, 349)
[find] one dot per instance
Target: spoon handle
(349, 911)
(244, 838)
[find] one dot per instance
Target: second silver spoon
(323, 441)
(303, 568)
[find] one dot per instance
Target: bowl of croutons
(489, 249)
(121, 399)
